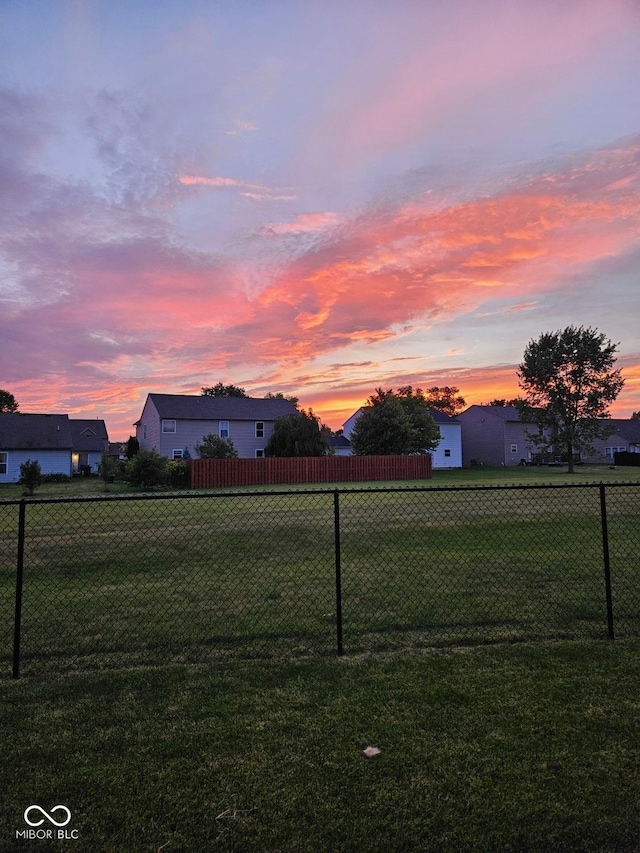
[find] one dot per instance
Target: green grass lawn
(197, 578)
(94, 486)
(181, 692)
(508, 749)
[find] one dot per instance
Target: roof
(89, 435)
(504, 413)
(339, 441)
(205, 408)
(627, 429)
(20, 431)
(441, 417)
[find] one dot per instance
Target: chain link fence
(135, 580)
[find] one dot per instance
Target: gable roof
(89, 435)
(339, 441)
(204, 408)
(503, 413)
(442, 418)
(628, 429)
(20, 431)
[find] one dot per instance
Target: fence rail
(133, 580)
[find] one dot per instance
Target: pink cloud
(260, 192)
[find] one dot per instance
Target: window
(177, 454)
(259, 429)
(609, 452)
(168, 426)
(514, 448)
(260, 454)
(224, 429)
(447, 452)
(4, 461)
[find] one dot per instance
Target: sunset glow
(313, 198)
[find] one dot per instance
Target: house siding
(191, 430)
(148, 427)
(451, 440)
(488, 434)
(51, 462)
(189, 433)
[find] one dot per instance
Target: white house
(175, 423)
(448, 453)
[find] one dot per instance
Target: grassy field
(507, 749)
(183, 744)
(197, 578)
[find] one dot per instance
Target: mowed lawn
(505, 748)
(195, 578)
(181, 692)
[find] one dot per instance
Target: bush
(107, 469)
(56, 478)
(30, 475)
(214, 447)
(147, 469)
(177, 474)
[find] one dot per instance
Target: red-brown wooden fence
(216, 473)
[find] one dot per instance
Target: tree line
(568, 380)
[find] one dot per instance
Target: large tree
(569, 380)
(446, 399)
(298, 434)
(7, 402)
(395, 423)
(222, 390)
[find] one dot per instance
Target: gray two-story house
(175, 423)
(495, 435)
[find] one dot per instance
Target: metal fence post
(19, 577)
(336, 532)
(607, 567)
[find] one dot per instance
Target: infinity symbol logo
(47, 815)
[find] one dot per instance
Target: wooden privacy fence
(215, 473)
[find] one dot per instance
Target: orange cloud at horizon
(119, 402)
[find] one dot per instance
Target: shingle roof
(628, 429)
(20, 431)
(89, 435)
(339, 441)
(182, 407)
(505, 413)
(442, 418)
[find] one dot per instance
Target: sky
(316, 198)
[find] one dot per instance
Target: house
(61, 445)
(118, 451)
(175, 423)
(624, 439)
(495, 435)
(448, 453)
(46, 439)
(340, 444)
(89, 442)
